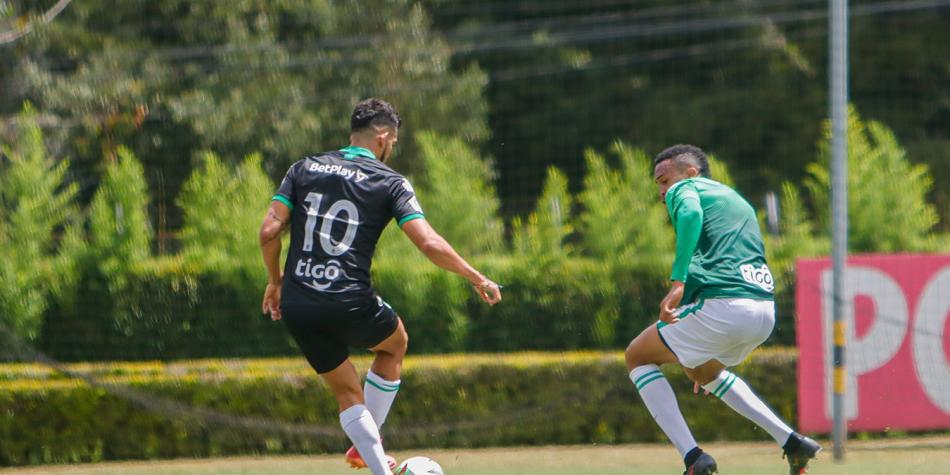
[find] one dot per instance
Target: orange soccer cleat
(355, 460)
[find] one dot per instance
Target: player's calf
(733, 391)
(359, 426)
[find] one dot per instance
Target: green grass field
(911, 456)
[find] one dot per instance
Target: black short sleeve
(405, 205)
(285, 192)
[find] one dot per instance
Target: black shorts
(325, 333)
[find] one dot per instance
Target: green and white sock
(739, 396)
(658, 396)
(378, 395)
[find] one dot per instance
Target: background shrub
(227, 407)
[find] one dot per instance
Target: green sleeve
(687, 216)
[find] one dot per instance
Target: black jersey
(340, 203)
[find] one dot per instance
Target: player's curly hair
(374, 112)
(685, 155)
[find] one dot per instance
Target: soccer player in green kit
(719, 308)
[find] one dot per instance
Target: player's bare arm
(441, 253)
(274, 224)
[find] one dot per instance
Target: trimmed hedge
(445, 401)
(170, 312)
(163, 312)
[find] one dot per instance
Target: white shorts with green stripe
(726, 330)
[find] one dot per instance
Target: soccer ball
(419, 466)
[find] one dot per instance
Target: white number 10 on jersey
(330, 245)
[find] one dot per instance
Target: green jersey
(719, 250)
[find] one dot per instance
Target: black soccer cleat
(704, 465)
(798, 450)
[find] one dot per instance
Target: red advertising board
(897, 314)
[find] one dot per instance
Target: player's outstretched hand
(489, 291)
(271, 303)
(696, 387)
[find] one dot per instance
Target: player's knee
(633, 356)
(403, 344)
(397, 346)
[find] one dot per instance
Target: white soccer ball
(419, 466)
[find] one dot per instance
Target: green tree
(223, 207)
(542, 235)
(234, 77)
(797, 239)
(121, 235)
(560, 86)
(459, 200)
(458, 197)
(39, 239)
(622, 219)
(458, 194)
(887, 195)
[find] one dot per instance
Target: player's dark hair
(374, 112)
(690, 155)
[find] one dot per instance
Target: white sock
(379, 395)
(359, 426)
(737, 395)
(658, 396)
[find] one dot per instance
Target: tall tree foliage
(543, 234)
(796, 238)
(39, 242)
(223, 207)
(567, 76)
(888, 209)
(173, 78)
(622, 217)
(121, 235)
(458, 198)
(458, 194)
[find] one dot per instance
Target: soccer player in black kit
(337, 205)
